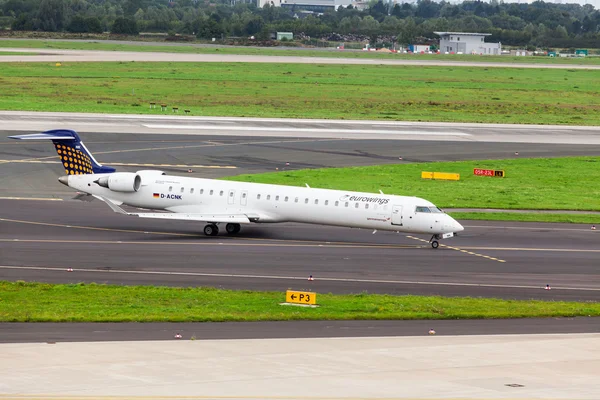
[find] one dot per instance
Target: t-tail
(74, 156)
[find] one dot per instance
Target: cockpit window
(435, 210)
(423, 209)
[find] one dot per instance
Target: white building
(311, 5)
(467, 43)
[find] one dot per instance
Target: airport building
(467, 43)
(317, 6)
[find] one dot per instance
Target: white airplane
(231, 203)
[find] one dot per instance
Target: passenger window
(211, 192)
(305, 201)
(268, 197)
(258, 197)
(326, 202)
(337, 203)
(230, 194)
(276, 198)
(243, 195)
(355, 205)
(221, 193)
(192, 190)
(316, 201)
(201, 191)
(347, 204)
(182, 189)
(170, 188)
(296, 200)
(286, 199)
(366, 205)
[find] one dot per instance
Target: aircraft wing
(207, 217)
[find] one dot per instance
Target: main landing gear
(213, 229)
(434, 241)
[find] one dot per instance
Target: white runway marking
(281, 277)
(310, 130)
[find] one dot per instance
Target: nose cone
(458, 227)
(64, 180)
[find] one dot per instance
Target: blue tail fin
(75, 157)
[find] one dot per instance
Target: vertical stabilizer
(74, 156)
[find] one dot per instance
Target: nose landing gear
(434, 241)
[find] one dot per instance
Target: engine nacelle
(121, 182)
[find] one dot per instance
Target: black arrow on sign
(293, 297)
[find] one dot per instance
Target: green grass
(16, 53)
(528, 217)
(157, 47)
(41, 302)
(570, 183)
(453, 94)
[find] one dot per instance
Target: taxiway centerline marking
(462, 250)
(280, 277)
(373, 245)
(213, 242)
(31, 198)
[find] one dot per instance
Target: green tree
(124, 26)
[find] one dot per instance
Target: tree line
(538, 24)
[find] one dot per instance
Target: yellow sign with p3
(292, 296)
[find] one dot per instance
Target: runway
(41, 240)
(57, 55)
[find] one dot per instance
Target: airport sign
(488, 172)
(292, 296)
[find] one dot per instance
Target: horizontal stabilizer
(225, 218)
(40, 136)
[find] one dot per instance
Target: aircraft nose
(458, 227)
(64, 180)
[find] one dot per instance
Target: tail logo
(74, 160)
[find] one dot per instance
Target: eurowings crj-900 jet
(218, 202)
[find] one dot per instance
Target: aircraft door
(397, 215)
(244, 198)
(231, 197)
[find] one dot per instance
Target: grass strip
(383, 92)
(198, 48)
(568, 183)
(17, 53)
(42, 302)
(528, 217)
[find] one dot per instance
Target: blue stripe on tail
(74, 156)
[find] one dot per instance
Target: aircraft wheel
(232, 229)
(435, 244)
(211, 230)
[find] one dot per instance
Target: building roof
(462, 33)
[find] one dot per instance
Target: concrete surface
(56, 55)
(466, 367)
